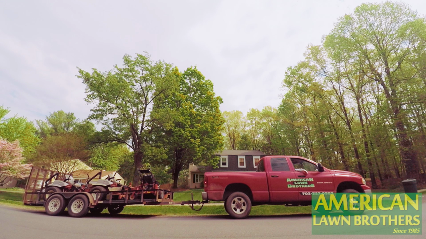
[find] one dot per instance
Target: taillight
(205, 182)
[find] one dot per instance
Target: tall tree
(233, 128)
(384, 36)
(123, 99)
(59, 148)
(60, 122)
(190, 122)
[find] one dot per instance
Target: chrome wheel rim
(77, 206)
(54, 205)
(238, 205)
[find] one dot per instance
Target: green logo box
(367, 214)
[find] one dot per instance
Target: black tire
(352, 212)
(78, 206)
(115, 209)
(55, 205)
(50, 190)
(96, 210)
(238, 205)
(98, 191)
(224, 205)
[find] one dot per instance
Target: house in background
(230, 160)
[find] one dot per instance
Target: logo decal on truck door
(300, 183)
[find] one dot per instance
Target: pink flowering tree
(11, 161)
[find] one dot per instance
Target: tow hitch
(192, 202)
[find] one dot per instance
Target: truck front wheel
(356, 205)
(238, 205)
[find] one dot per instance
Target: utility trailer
(80, 199)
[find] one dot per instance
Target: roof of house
(241, 152)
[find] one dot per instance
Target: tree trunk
(177, 166)
(406, 150)
(137, 158)
(349, 126)
(340, 144)
(366, 146)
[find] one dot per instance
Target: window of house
(197, 178)
(302, 164)
(279, 164)
(256, 160)
(241, 161)
(223, 161)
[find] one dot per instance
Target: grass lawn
(186, 195)
(11, 196)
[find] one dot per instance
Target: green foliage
(233, 128)
(354, 102)
(60, 122)
(123, 98)
(18, 128)
(189, 122)
(55, 149)
(109, 156)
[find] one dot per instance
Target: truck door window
(279, 164)
(302, 164)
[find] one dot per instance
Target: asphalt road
(20, 224)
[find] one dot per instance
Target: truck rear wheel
(238, 205)
(55, 205)
(78, 206)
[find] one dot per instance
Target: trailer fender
(69, 195)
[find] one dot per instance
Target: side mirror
(301, 170)
(320, 167)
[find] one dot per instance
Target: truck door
(313, 181)
(278, 175)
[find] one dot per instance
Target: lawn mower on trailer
(65, 185)
(94, 195)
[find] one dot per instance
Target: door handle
(301, 176)
(274, 176)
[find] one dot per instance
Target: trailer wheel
(55, 205)
(78, 206)
(115, 209)
(96, 210)
(98, 192)
(238, 205)
(50, 190)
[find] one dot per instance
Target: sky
(243, 47)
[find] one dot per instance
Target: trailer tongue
(80, 198)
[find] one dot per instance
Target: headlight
(364, 182)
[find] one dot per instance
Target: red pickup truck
(289, 180)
